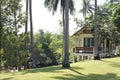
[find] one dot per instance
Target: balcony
(83, 50)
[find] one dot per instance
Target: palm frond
(55, 5)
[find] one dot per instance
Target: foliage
(14, 53)
(113, 1)
(41, 47)
(106, 28)
(78, 22)
(118, 53)
(116, 17)
(57, 46)
(12, 13)
(12, 19)
(87, 8)
(52, 5)
(48, 48)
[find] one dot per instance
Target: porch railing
(87, 50)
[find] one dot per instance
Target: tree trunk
(26, 28)
(0, 36)
(31, 35)
(66, 63)
(26, 25)
(96, 57)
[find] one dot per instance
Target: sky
(43, 18)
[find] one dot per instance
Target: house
(84, 44)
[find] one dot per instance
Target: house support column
(75, 58)
(105, 45)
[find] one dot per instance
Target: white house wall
(82, 36)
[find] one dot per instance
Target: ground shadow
(53, 69)
(108, 76)
(10, 78)
(81, 76)
(111, 63)
(75, 70)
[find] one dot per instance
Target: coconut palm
(97, 57)
(65, 63)
(26, 28)
(87, 8)
(0, 36)
(26, 24)
(52, 5)
(31, 34)
(64, 6)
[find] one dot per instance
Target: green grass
(105, 69)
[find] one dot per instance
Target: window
(88, 42)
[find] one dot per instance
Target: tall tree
(95, 33)
(12, 20)
(26, 28)
(52, 5)
(66, 63)
(31, 34)
(26, 24)
(65, 5)
(0, 34)
(87, 8)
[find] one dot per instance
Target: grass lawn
(105, 69)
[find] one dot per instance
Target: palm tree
(26, 27)
(31, 34)
(26, 24)
(97, 57)
(66, 63)
(52, 6)
(87, 8)
(0, 35)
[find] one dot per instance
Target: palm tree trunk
(0, 35)
(26, 28)
(26, 24)
(84, 10)
(96, 57)
(31, 34)
(66, 63)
